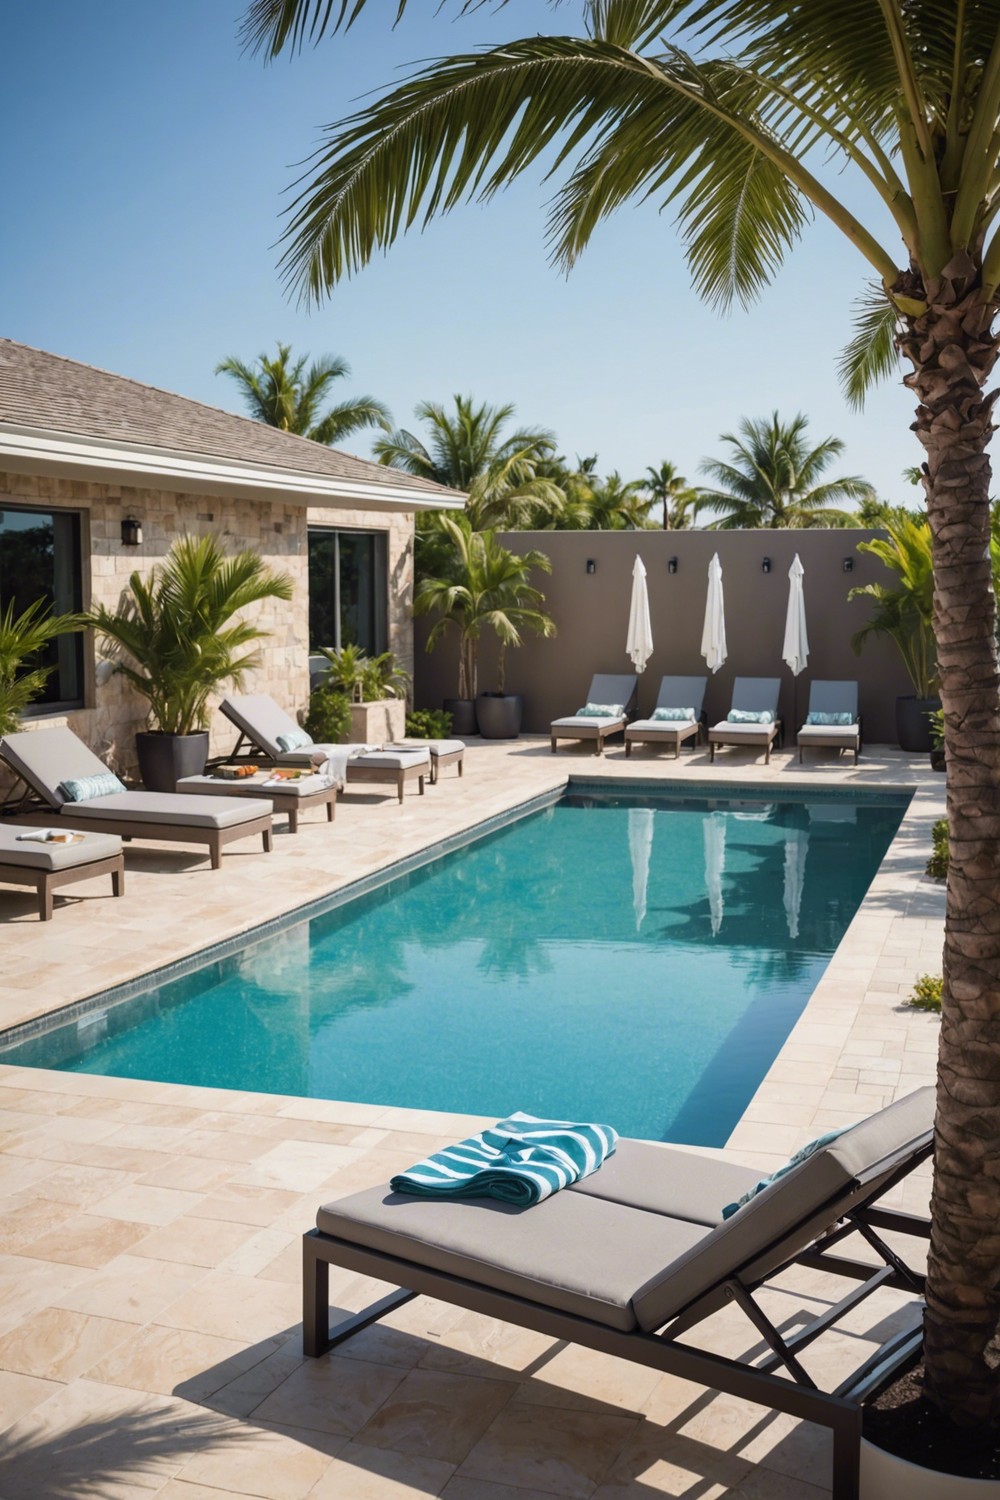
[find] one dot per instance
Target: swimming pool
(631, 958)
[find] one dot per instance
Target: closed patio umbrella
(640, 848)
(713, 636)
(639, 641)
(795, 651)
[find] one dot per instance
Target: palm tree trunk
(953, 350)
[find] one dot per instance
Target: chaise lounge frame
(674, 692)
(46, 882)
(753, 694)
(793, 1391)
(611, 688)
(831, 697)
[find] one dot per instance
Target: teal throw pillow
(84, 788)
(800, 1156)
(840, 718)
(295, 739)
(673, 715)
(601, 711)
(745, 716)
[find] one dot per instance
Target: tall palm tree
(288, 395)
(747, 117)
(671, 490)
(771, 479)
(618, 504)
(468, 449)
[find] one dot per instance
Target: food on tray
(235, 771)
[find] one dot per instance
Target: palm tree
(468, 449)
(488, 590)
(290, 396)
(771, 479)
(617, 504)
(24, 639)
(672, 491)
(747, 117)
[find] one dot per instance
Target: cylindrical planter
(913, 725)
(883, 1475)
(499, 715)
(165, 758)
(463, 715)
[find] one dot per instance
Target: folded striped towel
(521, 1160)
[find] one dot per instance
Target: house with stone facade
(99, 474)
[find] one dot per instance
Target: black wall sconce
(672, 565)
(848, 564)
(131, 532)
(765, 566)
(591, 565)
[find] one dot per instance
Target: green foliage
(906, 613)
(21, 639)
(936, 720)
(287, 395)
(328, 717)
(483, 587)
(772, 479)
(428, 724)
(927, 992)
(937, 865)
(365, 679)
(678, 499)
(179, 635)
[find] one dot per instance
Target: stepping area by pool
(150, 1233)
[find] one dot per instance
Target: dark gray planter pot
(463, 715)
(499, 715)
(165, 758)
(913, 727)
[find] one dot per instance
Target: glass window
(347, 590)
(40, 559)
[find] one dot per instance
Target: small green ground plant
(428, 724)
(937, 865)
(927, 993)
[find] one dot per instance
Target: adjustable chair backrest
(756, 694)
(834, 698)
(609, 688)
(682, 692)
(787, 1216)
(46, 757)
(257, 716)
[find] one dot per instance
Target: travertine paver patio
(149, 1233)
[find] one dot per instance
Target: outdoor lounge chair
(48, 866)
(260, 721)
(631, 1260)
(750, 695)
(613, 691)
(832, 698)
(44, 758)
(675, 692)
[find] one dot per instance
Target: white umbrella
(795, 651)
(640, 848)
(639, 641)
(796, 849)
(713, 636)
(715, 865)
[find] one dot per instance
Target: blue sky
(147, 163)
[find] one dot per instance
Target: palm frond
(870, 356)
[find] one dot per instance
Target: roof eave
(104, 461)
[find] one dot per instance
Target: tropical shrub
(365, 679)
(904, 613)
(22, 637)
(428, 724)
(927, 992)
(328, 717)
(179, 635)
(937, 865)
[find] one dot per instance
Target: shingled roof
(57, 395)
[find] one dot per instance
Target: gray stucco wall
(591, 615)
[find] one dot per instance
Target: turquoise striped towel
(521, 1160)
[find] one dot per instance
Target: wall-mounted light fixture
(672, 565)
(591, 565)
(131, 532)
(848, 564)
(765, 566)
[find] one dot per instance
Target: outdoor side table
(291, 797)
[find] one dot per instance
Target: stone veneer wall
(113, 710)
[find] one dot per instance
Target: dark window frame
(69, 566)
(379, 612)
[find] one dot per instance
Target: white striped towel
(521, 1160)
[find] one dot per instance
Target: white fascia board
(30, 450)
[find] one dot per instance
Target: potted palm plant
(905, 615)
(23, 638)
(375, 688)
(178, 637)
(485, 588)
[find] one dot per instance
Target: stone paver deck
(149, 1233)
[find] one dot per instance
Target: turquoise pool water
(637, 960)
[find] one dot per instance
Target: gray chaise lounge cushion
(390, 760)
(580, 1254)
(663, 1180)
(36, 856)
(604, 688)
(258, 717)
